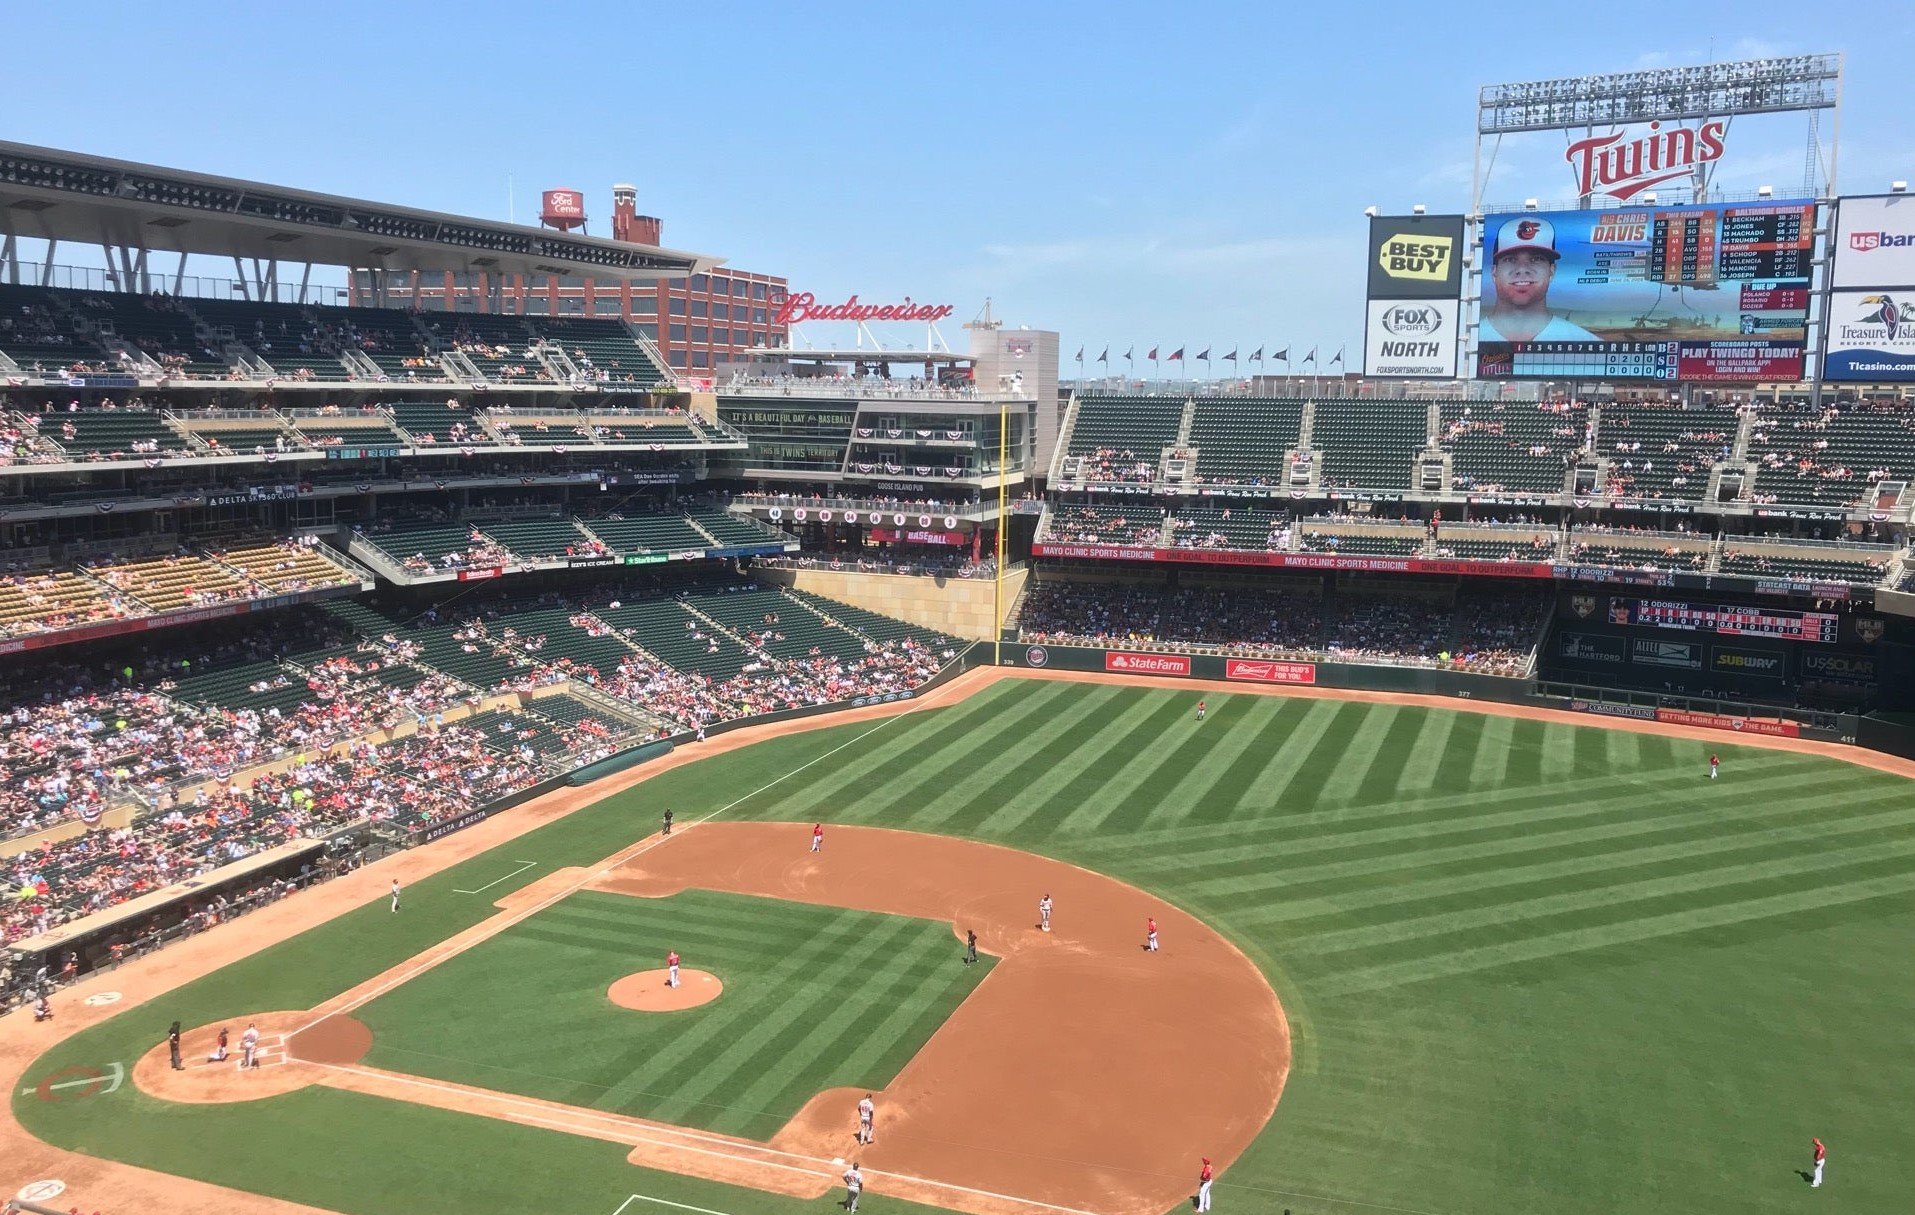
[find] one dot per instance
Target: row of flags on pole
(1203, 356)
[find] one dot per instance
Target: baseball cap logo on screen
(1412, 320)
(1420, 257)
(1528, 232)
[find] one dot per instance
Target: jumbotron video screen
(1715, 293)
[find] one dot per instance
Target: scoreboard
(1729, 621)
(1702, 247)
(1697, 293)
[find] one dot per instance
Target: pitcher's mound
(646, 990)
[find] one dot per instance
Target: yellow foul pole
(997, 594)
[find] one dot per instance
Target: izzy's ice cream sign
(804, 306)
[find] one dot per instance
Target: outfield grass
(815, 998)
(1528, 967)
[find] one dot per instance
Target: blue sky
(1128, 174)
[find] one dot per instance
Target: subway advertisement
(1713, 293)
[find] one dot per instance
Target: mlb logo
(1582, 605)
(1869, 629)
(1865, 242)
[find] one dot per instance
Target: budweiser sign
(1605, 164)
(804, 306)
(1147, 664)
(1270, 672)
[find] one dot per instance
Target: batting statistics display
(1728, 621)
(1711, 293)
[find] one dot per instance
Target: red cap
(1207, 1159)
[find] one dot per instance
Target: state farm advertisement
(1722, 721)
(1264, 671)
(1146, 664)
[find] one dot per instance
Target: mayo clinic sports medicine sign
(1415, 269)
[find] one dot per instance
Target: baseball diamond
(1500, 924)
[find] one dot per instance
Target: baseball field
(1416, 960)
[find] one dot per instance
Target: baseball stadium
(484, 737)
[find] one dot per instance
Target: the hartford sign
(804, 306)
(1606, 164)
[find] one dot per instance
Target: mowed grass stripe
(1387, 898)
(1569, 837)
(1060, 784)
(832, 1044)
(1210, 839)
(1203, 769)
(1383, 776)
(1471, 959)
(955, 759)
(1489, 766)
(652, 1072)
(1008, 771)
(1364, 751)
(1611, 889)
(1523, 760)
(1524, 813)
(1305, 784)
(1423, 767)
(811, 1020)
(1254, 784)
(1066, 803)
(867, 765)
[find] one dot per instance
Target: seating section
(770, 621)
(287, 565)
(386, 336)
(1832, 568)
(1368, 443)
(158, 326)
(178, 581)
(1638, 550)
(348, 430)
(733, 531)
(51, 600)
(36, 335)
(1662, 451)
(1242, 440)
(603, 348)
(1539, 545)
(646, 533)
(541, 539)
(246, 440)
(1141, 523)
(1512, 446)
(664, 629)
(1311, 541)
(429, 547)
(878, 628)
(430, 422)
(510, 730)
(544, 430)
(1833, 456)
(1236, 526)
(100, 434)
(1122, 438)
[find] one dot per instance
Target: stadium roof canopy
(66, 196)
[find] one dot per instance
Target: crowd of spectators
(1116, 464)
(412, 783)
(922, 563)
(1795, 440)
(1142, 524)
(1479, 630)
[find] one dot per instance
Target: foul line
(510, 919)
(664, 1202)
(568, 1118)
(523, 866)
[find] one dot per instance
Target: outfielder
(395, 894)
(671, 968)
(249, 1048)
(1821, 1158)
(1044, 913)
(1715, 765)
(1205, 1176)
(867, 1113)
(1201, 708)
